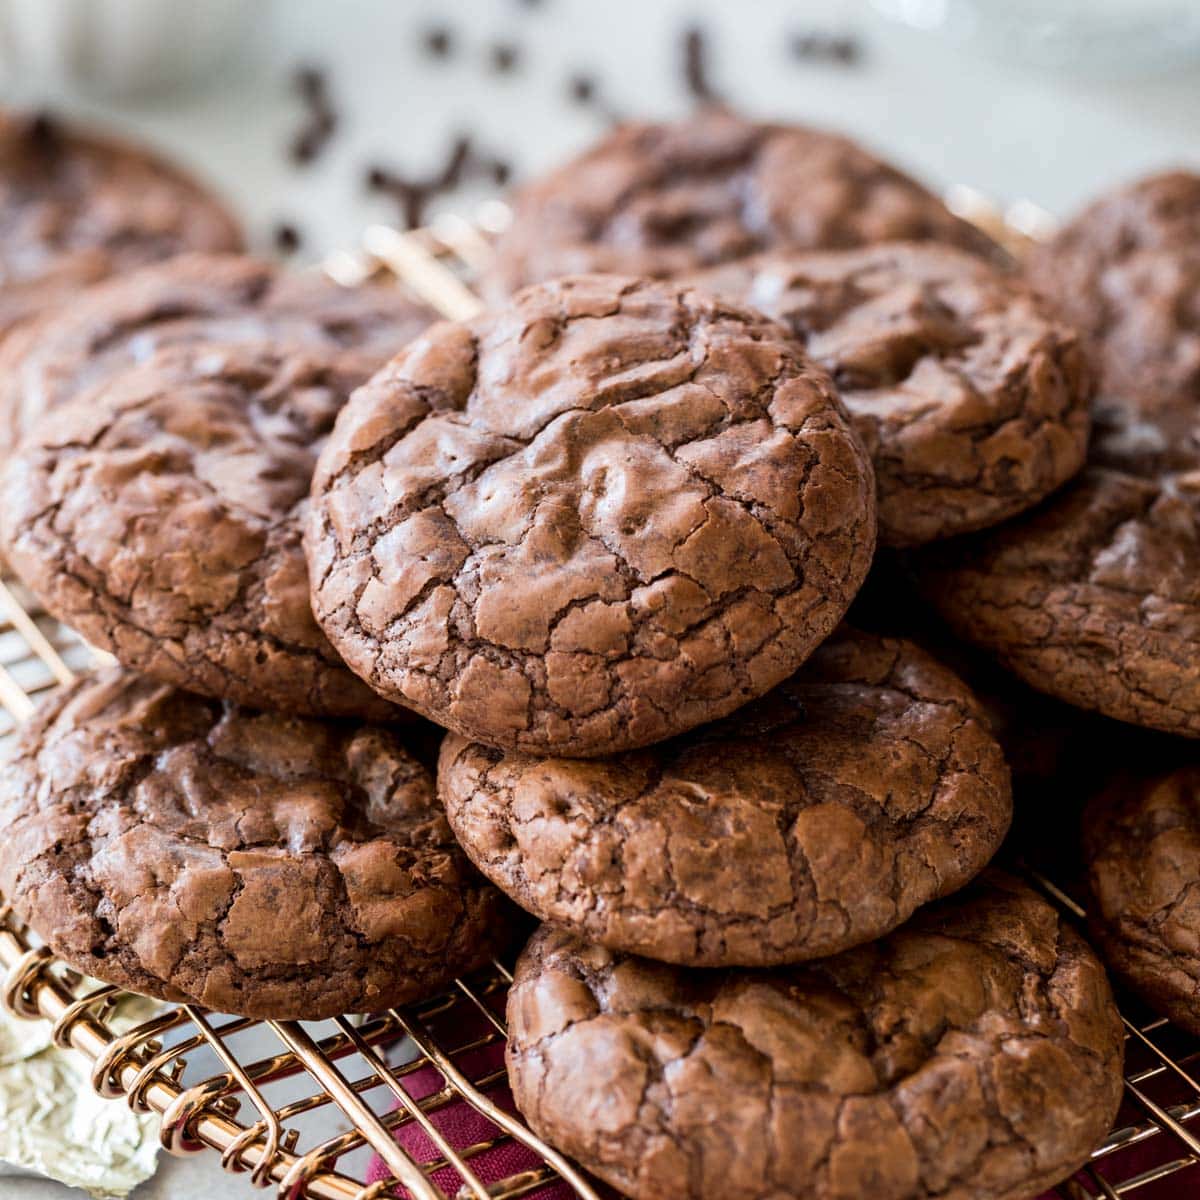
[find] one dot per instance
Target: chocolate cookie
(974, 1054)
(970, 398)
(1095, 596)
(76, 207)
(252, 863)
(1142, 845)
(1126, 272)
(161, 517)
(813, 819)
(601, 515)
(193, 298)
(659, 199)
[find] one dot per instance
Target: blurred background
(317, 118)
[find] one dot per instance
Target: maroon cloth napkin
(462, 1126)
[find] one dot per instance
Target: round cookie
(161, 517)
(1126, 273)
(816, 818)
(252, 863)
(603, 514)
(1141, 840)
(973, 1054)
(971, 400)
(193, 298)
(657, 199)
(76, 207)
(1094, 597)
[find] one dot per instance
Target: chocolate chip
(438, 42)
(817, 46)
(287, 238)
(695, 67)
(582, 89)
(504, 57)
(311, 84)
(43, 134)
(414, 194)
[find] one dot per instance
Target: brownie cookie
(815, 818)
(252, 863)
(161, 517)
(1093, 597)
(970, 398)
(1126, 272)
(1142, 845)
(973, 1054)
(76, 207)
(193, 298)
(659, 199)
(601, 515)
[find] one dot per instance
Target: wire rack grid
(303, 1107)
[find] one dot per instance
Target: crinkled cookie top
(658, 199)
(250, 862)
(813, 819)
(973, 1054)
(606, 513)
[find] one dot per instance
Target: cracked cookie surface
(161, 516)
(252, 863)
(1126, 273)
(1094, 596)
(193, 298)
(970, 398)
(816, 818)
(604, 514)
(1141, 839)
(974, 1054)
(76, 207)
(657, 199)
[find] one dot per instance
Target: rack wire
(304, 1106)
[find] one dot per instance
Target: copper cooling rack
(304, 1106)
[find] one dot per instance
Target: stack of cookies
(606, 536)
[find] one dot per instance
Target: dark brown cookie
(974, 1054)
(1126, 272)
(252, 863)
(970, 398)
(659, 199)
(1094, 597)
(1142, 844)
(816, 818)
(193, 298)
(76, 207)
(601, 515)
(161, 516)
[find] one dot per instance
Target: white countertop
(948, 115)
